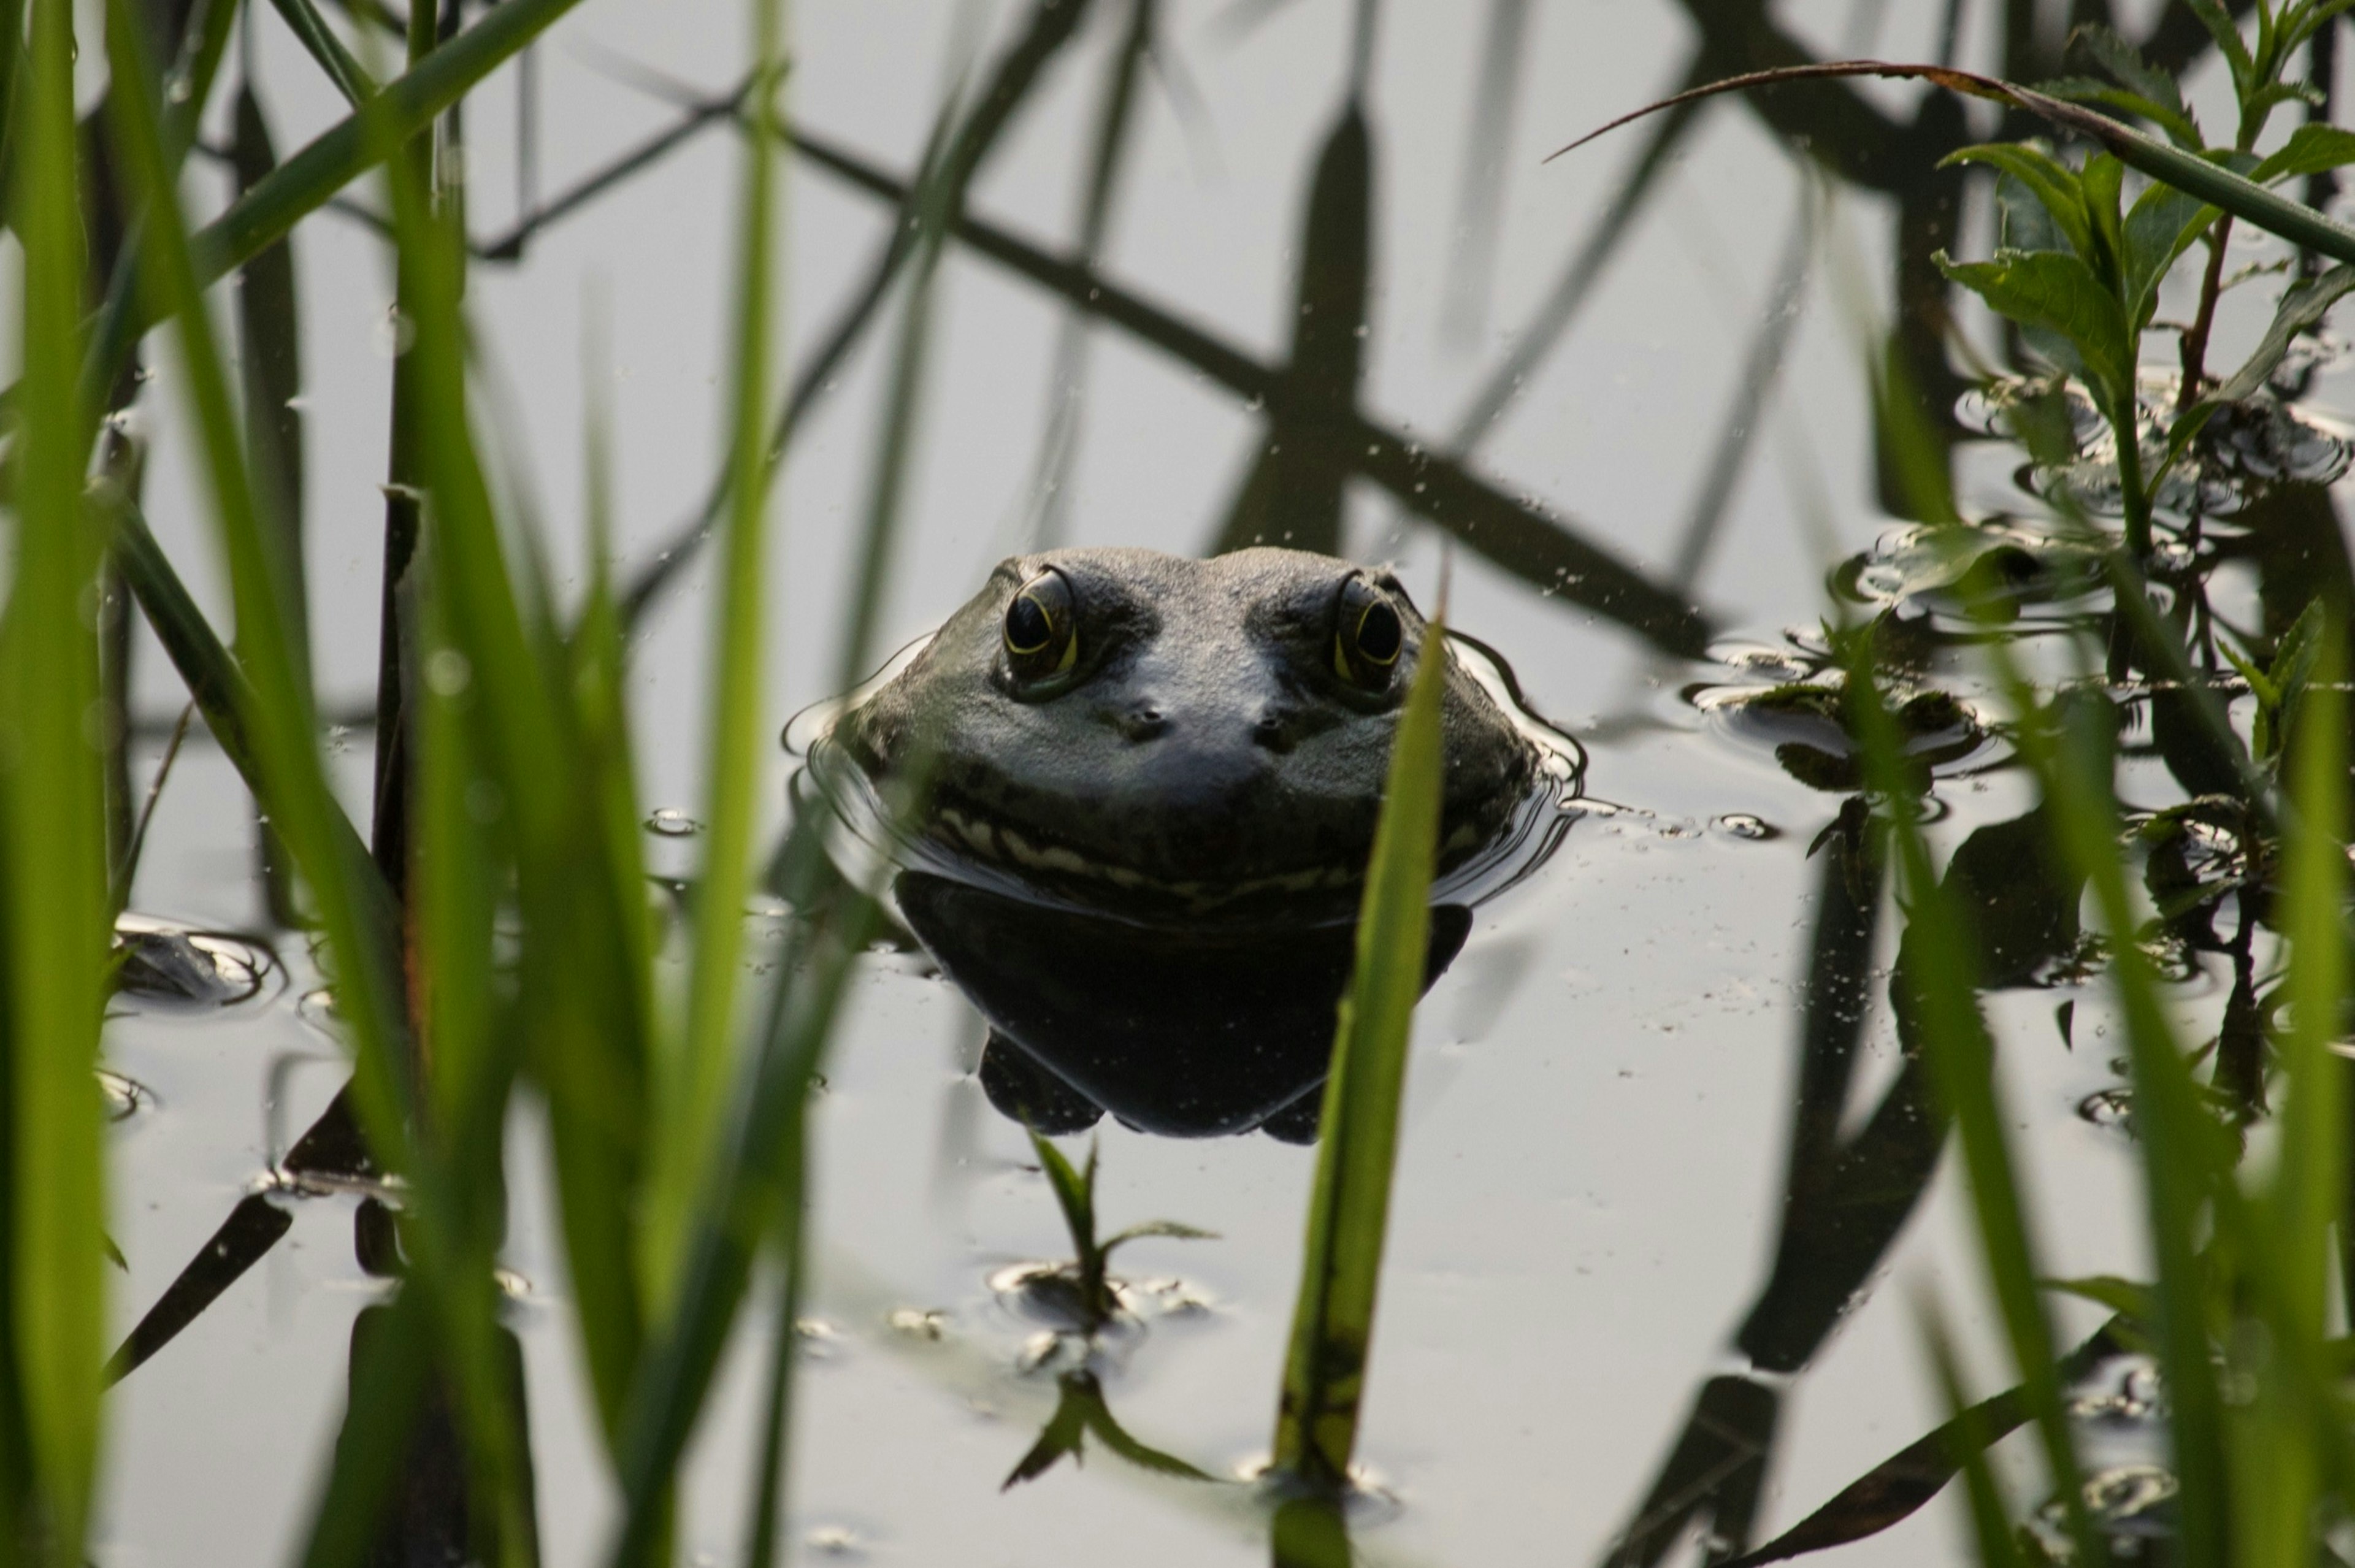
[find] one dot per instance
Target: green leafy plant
(1094, 1301)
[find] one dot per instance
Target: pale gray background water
(1593, 1156)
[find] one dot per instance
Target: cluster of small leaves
(2079, 267)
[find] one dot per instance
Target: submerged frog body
(1144, 789)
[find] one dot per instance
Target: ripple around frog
(831, 781)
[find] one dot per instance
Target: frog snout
(1274, 726)
(1144, 721)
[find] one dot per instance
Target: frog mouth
(969, 840)
(1025, 851)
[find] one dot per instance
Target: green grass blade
(387, 1393)
(1943, 972)
(2181, 1145)
(319, 40)
(2310, 1184)
(270, 357)
(755, 1178)
(277, 724)
(339, 156)
(1348, 1210)
(226, 698)
(690, 1090)
(56, 920)
(2290, 1437)
(578, 1011)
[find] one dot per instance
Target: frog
(1129, 729)
(1135, 795)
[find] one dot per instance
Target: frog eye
(1368, 635)
(1042, 628)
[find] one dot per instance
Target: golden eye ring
(1042, 629)
(1368, 636)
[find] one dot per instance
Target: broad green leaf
(2262, 686)
(1341, 1257)
(2103, 183)
(2312, 149)
(2161, 226)
(2180, 128)
(2022, 221)
(2142, 81)
(2227, 35)
(2061, 295)
(2056, 185)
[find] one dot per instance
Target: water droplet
(673, 823)
(395, 333)
(837, 1541)
(447, 672)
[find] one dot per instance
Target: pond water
(1623, 1280)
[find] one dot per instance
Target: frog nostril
(1144, 722)
(1273, 730)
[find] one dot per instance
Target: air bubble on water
(918, 1323)
(836, 1540)
(672, 823)
(2109, 1108)
(1742, 825)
